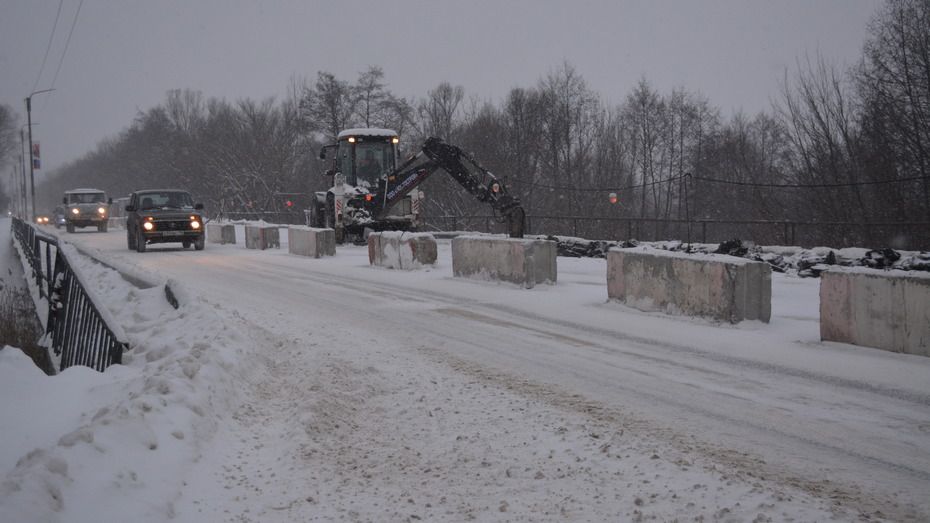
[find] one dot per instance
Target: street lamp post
(32, 180)
(24, 208)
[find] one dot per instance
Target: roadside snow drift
(89, 446)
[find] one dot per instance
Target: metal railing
(78, 329)
(899, 235)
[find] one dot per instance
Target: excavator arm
(438, 155)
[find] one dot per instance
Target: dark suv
(162, 216)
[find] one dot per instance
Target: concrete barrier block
(719, 287)
(310, 241)
(401, 250)
(522, 261)
(262, 237)
(220, 233)
(887, 310)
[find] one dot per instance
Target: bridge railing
(79, 329)
(912, 235)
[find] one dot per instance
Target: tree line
(838, 145)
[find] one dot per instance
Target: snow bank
(89, 446)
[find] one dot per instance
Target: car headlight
(195, 224)
(101, 210)
(75, 211)
(148, 226)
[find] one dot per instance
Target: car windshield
(87, 197)
(165, 200)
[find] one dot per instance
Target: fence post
(48, 268)
(703, 232)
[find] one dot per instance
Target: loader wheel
(317, 215)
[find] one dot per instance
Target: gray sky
(124, 55)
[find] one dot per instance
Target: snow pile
(792, 260)
(89, 446)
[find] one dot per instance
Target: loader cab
(362, 156)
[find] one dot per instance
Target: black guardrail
(78, 329)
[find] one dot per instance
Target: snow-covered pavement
(326, 389)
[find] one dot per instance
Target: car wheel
(130, 241)
(140, 242)
(199, 243)
(102, 227)
(186, 244)
(69, 227)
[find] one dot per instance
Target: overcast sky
(125, 54)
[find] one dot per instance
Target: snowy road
(387, 395)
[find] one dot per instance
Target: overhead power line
(600, 189)
(48, 47)
(718, 180)
(67, 42)
(810, 185)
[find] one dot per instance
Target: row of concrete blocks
(886, 310)
(303, 241)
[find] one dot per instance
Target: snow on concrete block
(719, 287)
(262, 237)
(310, 241)
(522, 261)
(219, 233)
(887, 310)
(401, 250)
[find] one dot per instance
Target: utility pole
(22, 160)
(32, 180)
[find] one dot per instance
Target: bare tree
(329, 105)
(8, 138)
(439, 111)
(894, 81)
(571, 117)
(646, 110)
(371, 95)
(819, 115)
